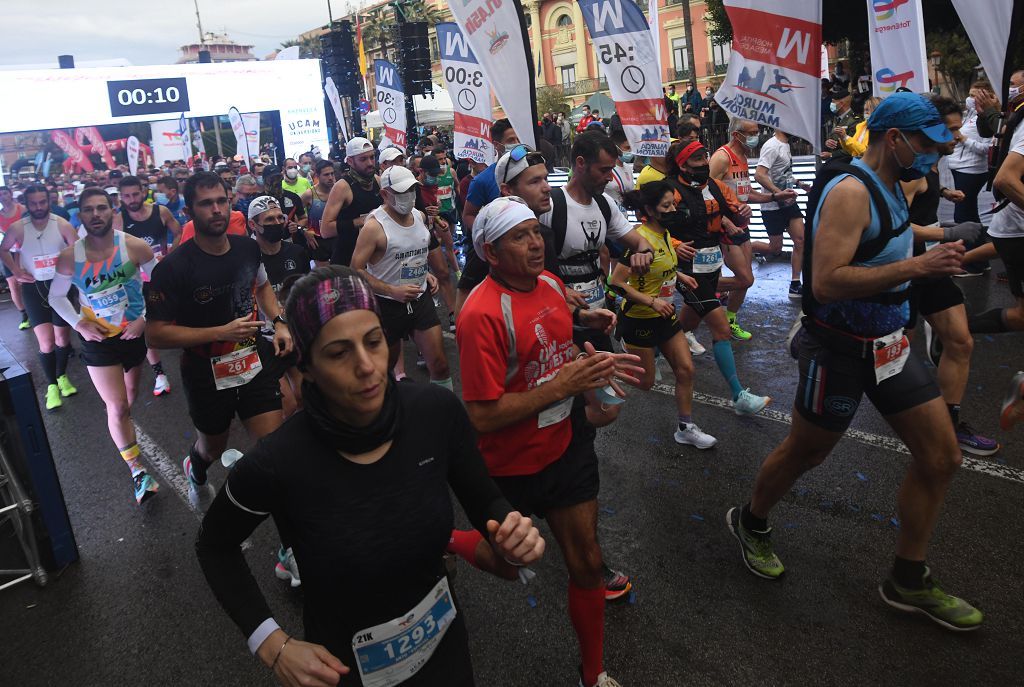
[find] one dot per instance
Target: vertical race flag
(896, 37)
(186, 141)
(390, 103)
(241, 139)
(989, 30)
(335, 100)
(470, 94)
(131, 149)
(197, 142)
(652, 18)
(496, 31)
(774, 73)
(625, 48)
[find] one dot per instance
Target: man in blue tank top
(853, 344)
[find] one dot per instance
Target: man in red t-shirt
(236, 226)
(525, 400)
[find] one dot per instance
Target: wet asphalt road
(136, 608)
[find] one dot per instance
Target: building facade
(222, 49)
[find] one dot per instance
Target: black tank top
(925, 208)
(363, 201)
(151, 230)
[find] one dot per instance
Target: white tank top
(39, 249)
(405, 259)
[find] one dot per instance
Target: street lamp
(934, 60)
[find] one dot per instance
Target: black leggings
(971, 184)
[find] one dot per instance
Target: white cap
(112, 190)
(497, 218)
(398, 179)
(262, 204)
(357, 146)
(506, 169)
(390, 153)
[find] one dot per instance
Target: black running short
(647, 332)
(936, 295)
(776, 222)
(474, 271)
(735, 239)
(569, 481)
(703, 299)
(113, 351)
(831, 385)
(1011, 251)
(212, 409)
(324, 249)
(38, 309)
(402, 319)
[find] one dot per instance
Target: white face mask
(292, 173)
(1014, 92)
(970, 102)
(403, 203)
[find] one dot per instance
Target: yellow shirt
(647, 175)
(659, 281)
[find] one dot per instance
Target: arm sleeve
(467, 474)
(59, 301)
(242, 504)
(162, 303)
(617, 226)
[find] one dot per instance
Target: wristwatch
(278, 319)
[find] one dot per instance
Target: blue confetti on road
(801, 491)
(894, 522)
(653, 440)
(878, 516)
(861, 476)
(826, 504)
(854, 507)
(989, 338)
(632, 598)
(532, 600)
(698, 518)
(790, 525)
(608, 509)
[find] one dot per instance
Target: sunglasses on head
(518, 154)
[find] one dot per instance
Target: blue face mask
(161, 198)
(627, 158)
(430, 180)
(921, 165)
(833, 107)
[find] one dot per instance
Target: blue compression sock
(727, 366)
(446, 383)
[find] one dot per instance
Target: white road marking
(169, 469)
(878, 441)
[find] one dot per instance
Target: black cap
(271, 170)
(115, 174)
(839, 91)
(430, 165)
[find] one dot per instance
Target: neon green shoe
(24, 323)
(756, 548)
(53, 397)
(738, 332)
(951, 612)
(66, 388)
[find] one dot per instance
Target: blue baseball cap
(910, 112)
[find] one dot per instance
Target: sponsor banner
(304, 126)
(390, 104)
(251, 121)
(494, 31)
(166, 140)
(185, 139)
(989, 31)
(132, 151)
(470, 93)
(238, 129)
(76, 158)
(896, 38)
(622, 39)
(774, 76)
(335, 100)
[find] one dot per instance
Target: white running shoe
(603, 681)
(749, 404)
(287, 568)
(695, 347)
(693, 436)
(200, 496)
(161, 386)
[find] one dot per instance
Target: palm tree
(308, 46)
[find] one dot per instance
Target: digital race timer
(147, 96)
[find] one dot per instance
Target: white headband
(497, 218)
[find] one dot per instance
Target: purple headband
(308, 312)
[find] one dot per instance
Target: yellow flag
(362, 51)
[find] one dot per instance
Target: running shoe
(749, 404)
(972, 442)
(162, 385)
(695, 347)
(602, 681)
(796, 291)
(933, 345)
(616, 584)
(53, 397)
(145, 487)
(1013, 404)
(951, 612)
(691, 435)
(973, 270)
(756, 548)
(738, 332)
(287, 568)
(65, 386)
(200, 496)
(24, 323)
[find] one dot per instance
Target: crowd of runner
(295, 292)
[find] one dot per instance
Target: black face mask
(697, 176)
(274, 233)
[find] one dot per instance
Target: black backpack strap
(559, 218)
(606, 209)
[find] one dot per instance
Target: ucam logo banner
(622, 38)
(896, 38)
(470, 93)
(390, 103)
(495, 33)
(774, 72)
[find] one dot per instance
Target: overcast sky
(148, 31)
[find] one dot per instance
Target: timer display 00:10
(147, 96)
